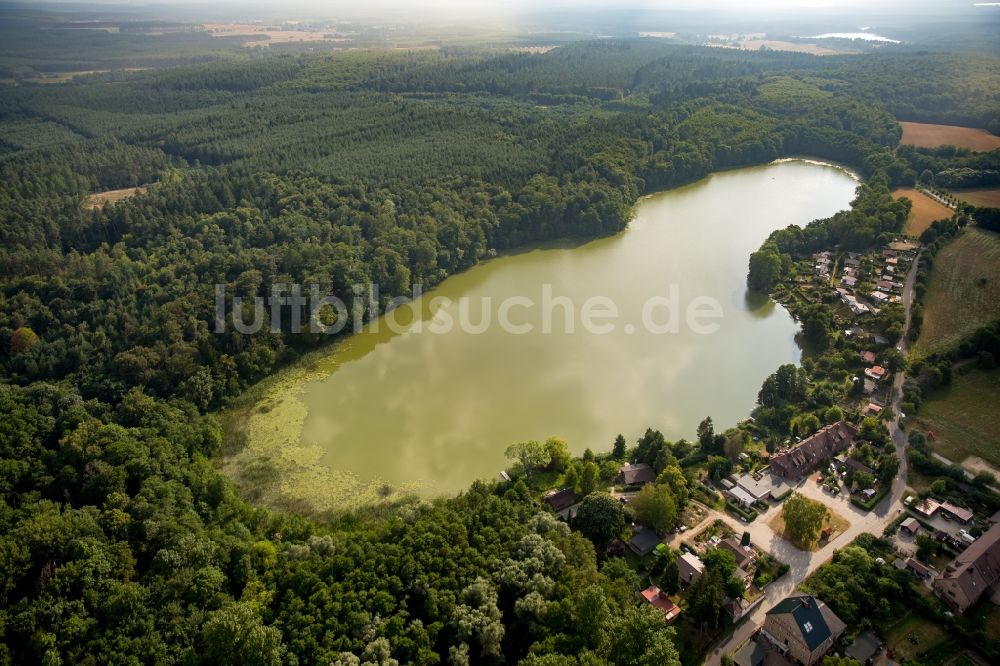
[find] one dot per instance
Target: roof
(869, 357)
(928, 506)
(660, 602)
(560, 499)
(826, 443)
(976, 568)
(876, 370)
(917, 567)
(815, 622)
(689, 566)
(959, 512)
(911, 524)
(741, 495)
(858, 466)
(872, 408)
(643, 541)
(638, 473)
(751, 654)
(864, 647)
(734, 546)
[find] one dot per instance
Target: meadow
(964, 290)
(955, 416)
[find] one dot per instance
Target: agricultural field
(924, 135)
(925, 210)
(985, 197)
(956, 417)
(964, 290)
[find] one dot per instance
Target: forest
(120, 540)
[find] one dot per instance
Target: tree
(833, 415)
(589, 477)
(655, 507)
(670, 580)
(736, 442)
(557, 450)
(618, 450)
(705, 598)
(765, 269)
(235, 635)
(22, 340)
(600, 518)
(572, 479)
(803, 519)
(706, 434)
(531, 455)
(673, 476)
(816, 324)
(719, 467)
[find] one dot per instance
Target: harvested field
(925, 135)
(99, 199)
(778, 45)
(985, 197)
(964, 290)
(925, 210)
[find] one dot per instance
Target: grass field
(913, 636)
(931, 136)
(964, 290)
(925, 210)
(963, 417)
(986, 197)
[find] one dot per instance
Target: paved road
(802, 564)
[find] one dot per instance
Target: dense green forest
(121, 542)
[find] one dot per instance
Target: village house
(560, 499)
(911, 526)
(807, 454)
(849, 281)
(872, 409)
(803, 628)
(761, 486)
(918, 569)
(635, 475)
(643, 541)
(958, 513)
(869, 357)
(690, 568)
(974, 573)
(880, 297)
(876, 372)
(744, 556)
(658, 599)
(884, 285)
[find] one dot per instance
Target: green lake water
(436, 411)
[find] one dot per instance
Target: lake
(864, 36)
(433, 411)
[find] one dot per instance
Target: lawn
(964, 290)
(913, 636)
(925, 210)
(926, 135)
(986, 197)
(719, 528)
(963, 417)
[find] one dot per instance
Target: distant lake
(434, 412)
(866, 36)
